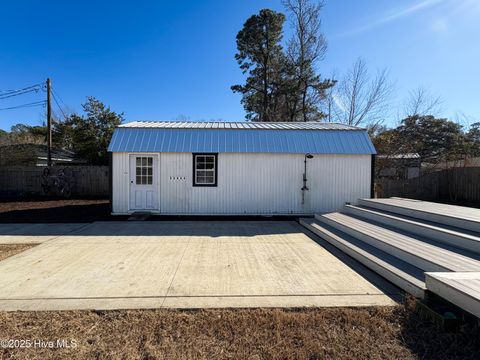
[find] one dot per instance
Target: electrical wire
(37, 103)
(61, 110)
(55, 118)
(56, 102)
(7, 93)
(18, 93)
(59, 97)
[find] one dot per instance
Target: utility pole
(49, 124)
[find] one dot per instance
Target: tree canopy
(88, 135)
(282, 84)
(24, 134)
(260, 55)
(433, 139)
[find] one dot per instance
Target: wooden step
(421, 254)
(457, 216)
(460, 288)
(444, 234)
(400, 273)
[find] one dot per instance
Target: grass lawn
(345, 333)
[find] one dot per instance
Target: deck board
(460, 212)
(447, 260)
(458, 216)
(402, 274)
(460, 288)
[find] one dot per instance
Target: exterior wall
(120, 183)
(251, 183)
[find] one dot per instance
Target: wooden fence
(453, 185)
(57, 182)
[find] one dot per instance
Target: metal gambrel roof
(313, 125)
(217, 137)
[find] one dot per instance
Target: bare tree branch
(421, 102)
(361, 99)
(305, 49)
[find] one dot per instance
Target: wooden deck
(452, 236)
(414, 244)
(460, 288)
(422, 254)
(458, 216)
(395, 270)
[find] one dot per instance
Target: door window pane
(144, 170)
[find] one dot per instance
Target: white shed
(242, 168)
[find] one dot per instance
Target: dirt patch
(365, 333)
(10, 250)
(48, 204)
(55, 211)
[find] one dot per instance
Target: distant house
(242, 168)
(465, 162)
(398, 166)
(36, 155)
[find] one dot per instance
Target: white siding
(120, 182)
(253, 184)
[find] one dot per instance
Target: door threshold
(139, 216)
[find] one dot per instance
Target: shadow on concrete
(384, 285)
(198, 228)
(95, 220)
(101, 212)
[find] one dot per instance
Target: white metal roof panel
(316, 138)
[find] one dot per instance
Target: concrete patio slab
(122, 265)
(34, 233)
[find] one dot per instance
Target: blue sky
(157, 60)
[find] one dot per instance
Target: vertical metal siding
(252, 184)
(120, 182)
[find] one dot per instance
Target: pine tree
(260, 55)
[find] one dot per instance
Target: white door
(144, 182)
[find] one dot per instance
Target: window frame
(194, 172)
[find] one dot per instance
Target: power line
(56, 102)
(18, 93)
(59, 97)
(5, 93)
(37, 103)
